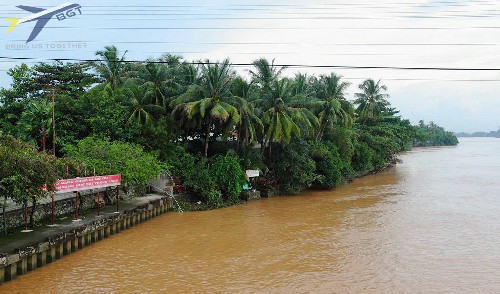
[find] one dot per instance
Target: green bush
(292, 167)
(342, 139)
(106, 157)
(196, 177)
(331, 169)
(211, 180)
(362, 158)
(214, 199)
(228, 176)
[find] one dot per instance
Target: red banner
(80, 184)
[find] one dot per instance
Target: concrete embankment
(56, 246)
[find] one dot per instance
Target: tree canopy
(204, 121)
(105, 157)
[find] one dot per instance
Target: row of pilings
(63, 244)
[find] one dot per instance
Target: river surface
(429, 225)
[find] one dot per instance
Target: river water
(429, 225)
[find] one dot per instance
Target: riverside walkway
(11, 242)
(11, 205)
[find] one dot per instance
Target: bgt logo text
(69, 13)
(43, 16)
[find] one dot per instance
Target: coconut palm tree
(250, 127)
(142, 108)
(281, 120)
(171, 60)
(157, 81)
(303, 91)
(111, 68)
(209, 106)
(371, 100)
(265, 73)
(332, 107)
(186, 75)
(36, 121)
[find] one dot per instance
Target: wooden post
(22, 266)
(52, 253)
(98, 202)
(42, 258)
(53, 124)
(117, 198)
(25, 217)
(76, 205)
(53, 210)
(11, 272)
(32, 262)
(2, 275)
(60, 250)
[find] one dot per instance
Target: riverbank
(22, 252)
(427, 225)
(25, 252)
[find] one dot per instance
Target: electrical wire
(277, 65)
(484, 9)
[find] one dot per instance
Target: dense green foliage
(433, 135)
(292, 168)
(26, 174)
(207, 124)
(213, 180)
(228, 175)
(331, 169)
(103, 157)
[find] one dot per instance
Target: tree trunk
(3, 214)
(32, 213)
(321, 130)
(207, 137)
(238, 138)
(25, 206)
(44, 140)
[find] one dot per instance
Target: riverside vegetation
(201, 121)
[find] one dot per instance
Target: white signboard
(252, 173)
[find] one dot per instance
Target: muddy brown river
(429, 225)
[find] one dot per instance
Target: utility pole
(53, 123)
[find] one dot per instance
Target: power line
(296, 10)
(364, 78)
(273, 28)
(278, 65)
(204, 18)
(263, 43)
(357, 78)
(348, 4)
(250, 53)
(285, 9)
(306, 16)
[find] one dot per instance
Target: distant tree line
(432, 135)
(495, 134)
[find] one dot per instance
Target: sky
(446, 36)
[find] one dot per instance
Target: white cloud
(316, 32)
(377, 33)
